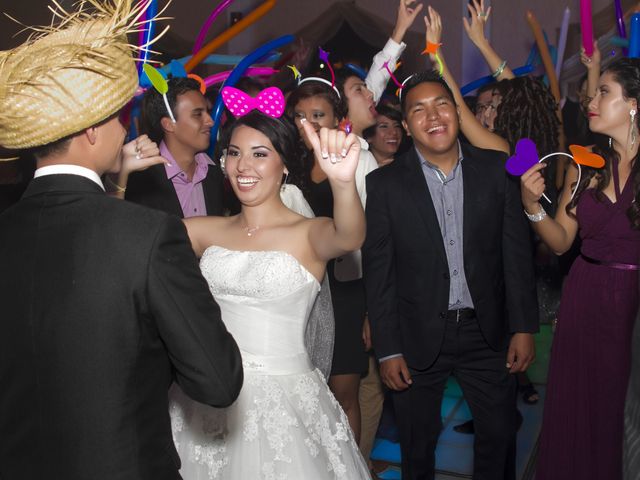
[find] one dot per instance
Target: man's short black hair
(154, 109)
(429, 76)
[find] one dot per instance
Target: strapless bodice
(265, 298)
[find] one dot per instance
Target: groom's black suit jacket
(405, 265)
(102, 304)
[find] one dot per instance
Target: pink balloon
(251, 72)
(586, 26)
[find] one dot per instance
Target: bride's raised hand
(336, 152)
(140, 154)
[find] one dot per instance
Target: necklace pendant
(251, 230)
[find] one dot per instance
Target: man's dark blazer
(405, 265)
(152, 188)
(102, 305)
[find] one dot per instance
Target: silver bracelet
(536, 217)
(500, 69)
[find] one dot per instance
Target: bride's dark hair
(282, 134)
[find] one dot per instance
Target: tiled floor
(454, 454)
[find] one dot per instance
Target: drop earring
(223, 159)
(286, 176)
(610, 143)
(632, 131)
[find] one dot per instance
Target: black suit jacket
(152, 188)
(405, 265)
(102, 305)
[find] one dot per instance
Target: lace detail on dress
(210, 449)
(255, 274)
(213, 456)
(269, 417)
(286, 423)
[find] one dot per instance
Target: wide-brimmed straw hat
(71, 76)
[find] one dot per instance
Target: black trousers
(488, 388)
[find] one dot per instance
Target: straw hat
(71, 76)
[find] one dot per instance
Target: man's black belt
(461, 314)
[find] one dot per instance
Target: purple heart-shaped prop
(526, 156)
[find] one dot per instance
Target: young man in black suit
(450, 284)
(103, 303)
(191, 184)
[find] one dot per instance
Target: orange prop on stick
(544, 54)
(229, 34)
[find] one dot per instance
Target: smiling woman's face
(316, 110)
(386, 140)
(253, 165)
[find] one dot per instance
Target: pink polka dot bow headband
(269, 101)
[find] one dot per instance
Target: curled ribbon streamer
(324, 56)
(393, 77)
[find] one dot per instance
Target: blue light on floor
(454, 453)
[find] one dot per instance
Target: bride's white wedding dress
(286, 423)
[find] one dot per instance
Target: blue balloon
(177, 69)
(236, 74)
(634, 36)
(359, 71)
(470, 87)
(533, 55)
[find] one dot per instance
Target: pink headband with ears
(269, 101)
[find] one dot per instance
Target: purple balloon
(526, 156)
(622, 31)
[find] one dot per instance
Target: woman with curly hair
(591, 354)
(528, 110)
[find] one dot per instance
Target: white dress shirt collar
(69, 170)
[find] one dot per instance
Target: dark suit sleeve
(379, 273)
(519, 276)
(204, 354)
(137, 187)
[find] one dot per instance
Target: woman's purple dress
(591, 354)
